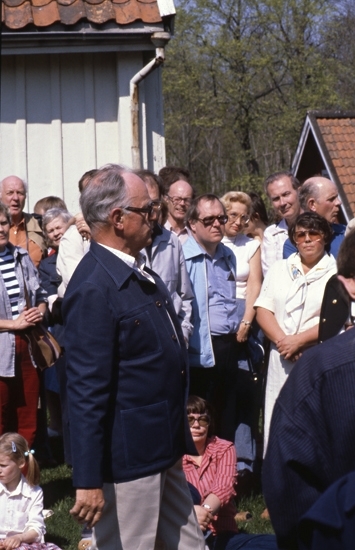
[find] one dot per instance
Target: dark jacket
(127, 373)
(335, 309)
(312, 434)
(50, 281)
(330, 523)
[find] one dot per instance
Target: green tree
(239, 78)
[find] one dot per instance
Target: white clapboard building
(80, 87)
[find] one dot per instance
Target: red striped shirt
(217, 475)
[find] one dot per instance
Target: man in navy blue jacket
(127, 379)
(312, 434)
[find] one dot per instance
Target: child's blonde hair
(15, 447)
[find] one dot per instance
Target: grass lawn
(65, 532)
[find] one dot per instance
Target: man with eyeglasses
(127, 379)
(213, 348)
(178, 196)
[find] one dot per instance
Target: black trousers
(219, 386)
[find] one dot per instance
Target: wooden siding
(64, 114)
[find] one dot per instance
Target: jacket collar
(118, 270)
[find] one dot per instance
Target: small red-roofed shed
(327, 147)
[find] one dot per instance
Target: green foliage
(238, 80)
(59, 497)
(254, 504)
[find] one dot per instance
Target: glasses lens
(208, 221)
(313, 235)
(203, 420)
(178, 200)
(234, 218)
(211, 219)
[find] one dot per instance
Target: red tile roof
(339, 137)
(16, 14)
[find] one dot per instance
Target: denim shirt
(200, 344)
(36, 295)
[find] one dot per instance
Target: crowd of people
(174, 312)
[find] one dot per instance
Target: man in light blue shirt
(213, 348)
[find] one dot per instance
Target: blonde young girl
(21, 500)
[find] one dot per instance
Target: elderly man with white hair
(25, 229)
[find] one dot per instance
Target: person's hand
(82, 227)
(33, 315)
(204, 517)
(11, 542)
(88, 506)
(289, 347)
(21, 323)
(243, 331)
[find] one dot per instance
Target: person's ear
(311, 203)
(116, 217)
(192, 225)
(21, 463)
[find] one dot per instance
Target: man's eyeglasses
(202, 419)
(149, 209)
(233, 218)
(209, 220)
(178, 200)
(313, 235)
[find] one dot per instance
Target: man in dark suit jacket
(127, 379)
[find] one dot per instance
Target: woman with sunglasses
(289, 304)
(211, 473)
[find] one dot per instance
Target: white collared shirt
(135, 263)
(273, 244)
(21, 510)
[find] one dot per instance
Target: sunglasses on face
(209, 220)
(202, 419)
(312, 234)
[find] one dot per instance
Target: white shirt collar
(137, 264)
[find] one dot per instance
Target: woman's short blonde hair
(236, 196)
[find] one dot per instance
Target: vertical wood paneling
(19, 152)
(41, 176)
(55, 143)
(128, 66)
(7, 117)
(74, 140)
(106, 108)
(62, 115)
(89, 108)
